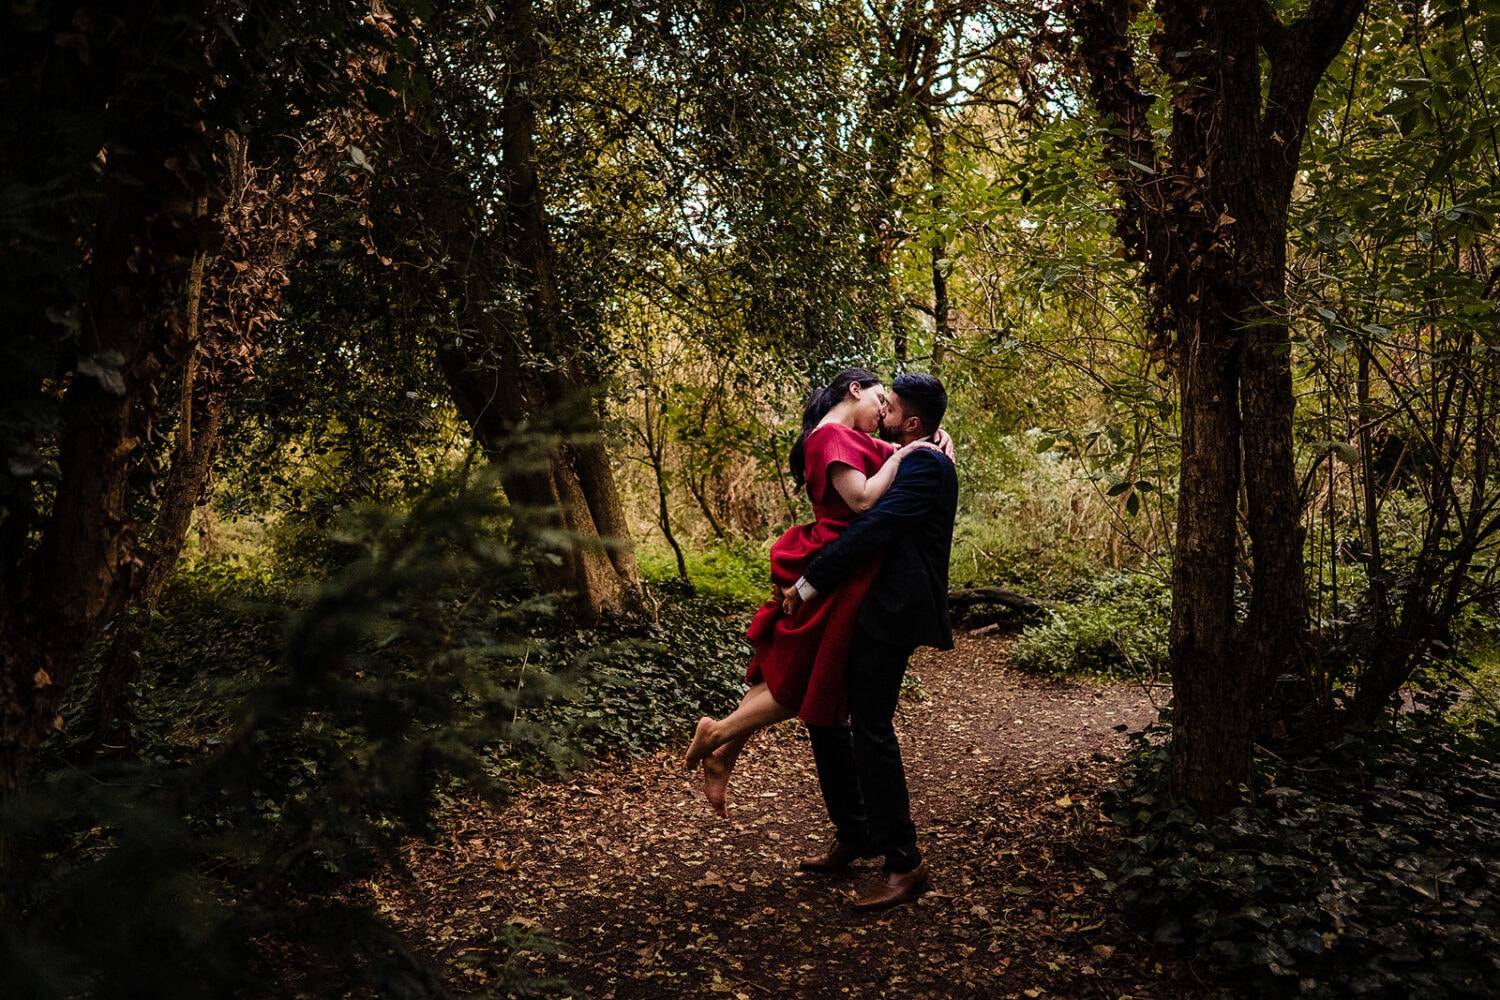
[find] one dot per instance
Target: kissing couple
(854, 593)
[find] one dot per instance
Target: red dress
(802, 658)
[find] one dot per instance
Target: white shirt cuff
(804, 589)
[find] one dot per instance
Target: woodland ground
(651, 895)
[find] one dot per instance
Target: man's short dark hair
(923, 395)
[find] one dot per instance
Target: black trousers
(859, 762)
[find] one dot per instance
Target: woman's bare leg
(757, 710)
(717, 743)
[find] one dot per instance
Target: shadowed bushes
(216, 861)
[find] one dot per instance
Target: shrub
(737, 573)
(1369, 869)
(644, 684)
(1118, 629)
(212, 863)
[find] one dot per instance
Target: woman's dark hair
(819, 402)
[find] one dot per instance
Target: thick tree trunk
(1210, 724)
(132, 329)
(908, 49)
(496, 373)
(1207, 218)
(264, 221)
(600, 568)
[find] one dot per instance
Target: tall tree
(470, 173)
(117, 132)
(1205, 212)
(111, 325)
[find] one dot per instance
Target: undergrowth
(1117, 629)
(627, 686)
(1369, 869)
(737, 572)
(287, 741)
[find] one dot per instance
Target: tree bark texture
(908, 46)
(938, 175)
(1207, 216)
(154, 166)
(264, 221)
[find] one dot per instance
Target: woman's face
(869, 407)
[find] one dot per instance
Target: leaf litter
(650, 895)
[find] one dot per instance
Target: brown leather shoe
(898, 887)
(838, 858)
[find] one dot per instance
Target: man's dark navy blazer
(913, 525)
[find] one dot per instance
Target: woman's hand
(944, 443)
(940, 442)
(912, 446)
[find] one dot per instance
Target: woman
(798, 665)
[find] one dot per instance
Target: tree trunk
(1207, 218)
(522, 365)
(1210, 725)
(908, 47)
(264, 222)
(132, 329)
(654, 434)
(938, 172)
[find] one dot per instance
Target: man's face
(892, 419)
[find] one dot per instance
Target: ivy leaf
(105, 367)
(1345, 452)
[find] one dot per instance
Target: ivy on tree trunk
(1205, 212)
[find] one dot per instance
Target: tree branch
(1274, 37)
(1299, 55)
(1105, 50)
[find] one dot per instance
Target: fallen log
(974, 596)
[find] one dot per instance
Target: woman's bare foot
(716, 774)
(701, 746)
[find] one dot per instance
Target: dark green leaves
(1368, 870)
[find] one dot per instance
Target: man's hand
(791, 600)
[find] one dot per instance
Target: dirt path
(650, 895)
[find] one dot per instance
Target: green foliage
(1394, 328)
(738, 573)
(214, 864)
(1464, 690)
(1031, 521)
(645, 691)
(1118, 629)
(216, 637)
(210, 866)
(1369, 869)
(1035, 556)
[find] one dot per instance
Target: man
(859, 763)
